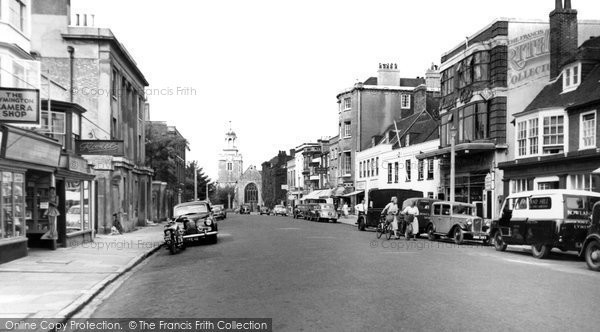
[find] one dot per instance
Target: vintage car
(219, 212)
(378, 199)
(264, 210)
(244, 209)
(323, 212)
(544, 219)
(301, 211)
(591, 245)
(456, 220)
(279, 210)
(197, 221)
(424, 206)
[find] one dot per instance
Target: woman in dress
(52, 213)
(411, 213)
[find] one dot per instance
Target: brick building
(274, 175)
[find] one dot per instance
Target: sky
(274, 68)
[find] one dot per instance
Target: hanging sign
(19, 105)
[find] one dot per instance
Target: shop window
(12, 219)
(86, 206)
(74, 207)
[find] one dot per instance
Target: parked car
(378, 199)
(219, 212)
(279, 210)
(424, 206)
(545, 219)
(197, 220)
(264, 210)
(245, 209)
(323, 212)
(456, 220)
(590, 250)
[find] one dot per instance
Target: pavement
(57, 284)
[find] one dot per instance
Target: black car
(424, 217)
(197, 220)
(245, 209)
(264, 210)
(378, 199)
(302, 211)
(591, 245)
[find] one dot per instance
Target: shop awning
(317, 194)
(339, 191)
(354, 193)
(475, 147)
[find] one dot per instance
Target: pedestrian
(51, 213)
(391, 210)
(345, 210)
(411, 212)
(360, 209)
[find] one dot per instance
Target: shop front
(27, 161)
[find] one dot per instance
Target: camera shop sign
(97, 147)
(19, 105)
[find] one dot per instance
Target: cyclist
(391, 210)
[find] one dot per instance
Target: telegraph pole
(195, 182)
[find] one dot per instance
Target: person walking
(391, 209)
(360, 209)
(411, 212)
(345, 210)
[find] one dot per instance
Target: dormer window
(571, 77)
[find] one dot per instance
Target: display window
(12, 205)
(77, 205)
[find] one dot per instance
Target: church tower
(230, 161)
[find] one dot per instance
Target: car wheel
(499, 244)
(540, 251)
(430, 233)
(592, 256)
(459, 237)
(361, 224)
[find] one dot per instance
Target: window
(389, 172)
(519, 185)
(481, 121)
(113, 84)
(405, 101)
(53, 125)
(12, 216)
(17, 14)
(420, 169)
(407, 170)
(229, 166)
(360, 169)
(481, 63)
(430, 168)
(522, 138)
(548, 185)
(445, 209)
(368, 168)
(553, 134)
(582, 182)
(347, 163)
(571, 77)
(447, 81)
(521, 203)
(347, 130)
(396, 171)
(437, 209)
(588, 130)
(347, 104)
(377, 166)
(533, 136)
(372, 167)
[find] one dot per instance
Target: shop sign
(19, 105)
(489, 182)
(98, 147)
(361, 185)
(320, 170)
(100, 163)
(78, 164)
(284, 187)
(22, 147)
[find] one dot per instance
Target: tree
(164, 153)
(223, 195)
(203, 180)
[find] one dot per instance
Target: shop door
(61, 220)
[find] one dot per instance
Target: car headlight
(208, 222)
(469, 222)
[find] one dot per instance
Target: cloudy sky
(274, 67)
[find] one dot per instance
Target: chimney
(563, 35)
(433, 78)
(388, 74)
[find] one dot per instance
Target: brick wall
(497, 119)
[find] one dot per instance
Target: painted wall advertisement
(19, 105)
(528, 53)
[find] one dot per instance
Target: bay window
(542, 134)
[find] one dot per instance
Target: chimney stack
(563, 36)
(388, 74)
(433, 78)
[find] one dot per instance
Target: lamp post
(452, 163)
(195, 182)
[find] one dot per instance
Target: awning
(317, 194)
(339, 191)
(459, 147)
(354, 193)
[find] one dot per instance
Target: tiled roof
(552, 96)
(409, 82)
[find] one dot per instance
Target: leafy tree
(219, 196)
(203, 180)
(164, 151)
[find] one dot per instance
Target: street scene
(277, 166)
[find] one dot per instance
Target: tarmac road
(318, 276)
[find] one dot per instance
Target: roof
(552, 96)
(589, 50)
(422, 130)
(555, 192)
(410, 82)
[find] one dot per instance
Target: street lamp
(452, 162)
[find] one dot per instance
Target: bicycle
(384, 227)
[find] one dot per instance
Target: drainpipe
(71, 51)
